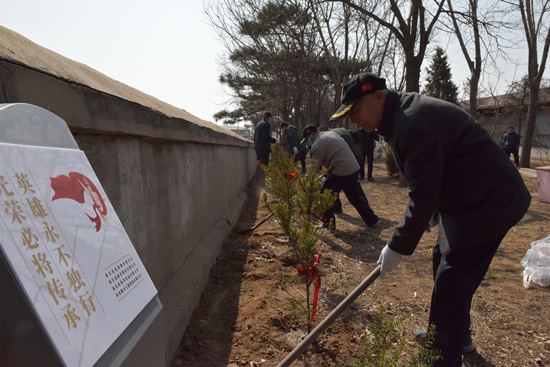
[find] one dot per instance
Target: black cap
(355, 88)
(267, 114)
(308, 130)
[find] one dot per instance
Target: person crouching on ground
(455, 169)
(329, 150)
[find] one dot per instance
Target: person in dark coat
(511, 142)
(365, 143)
(263, 139)
(291, 141)
(456, 174)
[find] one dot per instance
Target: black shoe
(373, 223)
(468, 346)
(371, 179)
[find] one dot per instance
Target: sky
(493, 80)
(166, 48)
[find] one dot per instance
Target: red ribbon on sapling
(314, 273)
(289, 176)
(315, 215)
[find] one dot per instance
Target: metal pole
(310, 338)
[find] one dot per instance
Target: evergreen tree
(274, 64)
(439, 81)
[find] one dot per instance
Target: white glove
(295, 150)
(277, 141)
(388, 260)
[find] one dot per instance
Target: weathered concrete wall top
(18, 50)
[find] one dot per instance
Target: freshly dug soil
(244, 317)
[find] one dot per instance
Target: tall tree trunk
(530, 17)
(525, 159)
(413, 74)
(474, 85)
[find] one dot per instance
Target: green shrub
(384, 346)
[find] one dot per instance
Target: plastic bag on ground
(536, 263)
(378, 150)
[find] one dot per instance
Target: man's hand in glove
(388, 260)
(295, 150)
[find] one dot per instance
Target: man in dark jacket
(365, 143)
(511, 144)
(291, 142)
(455, 172)
(263, 139)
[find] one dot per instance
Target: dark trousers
(362, 168)
(514, 152)
(301, 156)
(353, 191)
(457, 275)
(369, 159)
(263, 156)
(337, 206)
(370, 162)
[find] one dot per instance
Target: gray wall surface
(176, 182)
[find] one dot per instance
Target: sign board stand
(115, 316)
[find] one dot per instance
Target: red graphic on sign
(73, 187)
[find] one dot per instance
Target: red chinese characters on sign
(73, 187)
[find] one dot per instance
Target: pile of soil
(244, 317)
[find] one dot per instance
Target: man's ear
(379, 97)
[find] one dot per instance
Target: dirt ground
(244, 316)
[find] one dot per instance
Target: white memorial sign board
(69, 251)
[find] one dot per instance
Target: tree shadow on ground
(474, 359)
(369, 248)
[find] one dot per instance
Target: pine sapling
(299, 209)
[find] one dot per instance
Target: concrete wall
(176, 182)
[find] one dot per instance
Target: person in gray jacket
(348, 138)
(454, 170)
(330, 150)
